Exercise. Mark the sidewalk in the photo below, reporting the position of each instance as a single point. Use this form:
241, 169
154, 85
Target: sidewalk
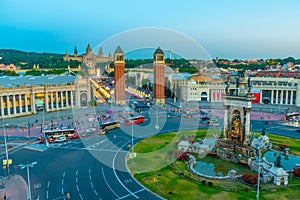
15, 188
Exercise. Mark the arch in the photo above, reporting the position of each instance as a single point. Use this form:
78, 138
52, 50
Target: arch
83, 99
204, 96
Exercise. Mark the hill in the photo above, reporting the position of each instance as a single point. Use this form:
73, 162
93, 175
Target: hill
26, 60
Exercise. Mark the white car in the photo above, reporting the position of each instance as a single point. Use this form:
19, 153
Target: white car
61, 139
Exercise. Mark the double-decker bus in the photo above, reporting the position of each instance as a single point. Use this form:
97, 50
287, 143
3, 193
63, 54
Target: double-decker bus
110, 125
134, 120
60, 132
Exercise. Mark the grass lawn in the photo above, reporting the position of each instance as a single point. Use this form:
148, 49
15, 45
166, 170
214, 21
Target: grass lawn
176, 182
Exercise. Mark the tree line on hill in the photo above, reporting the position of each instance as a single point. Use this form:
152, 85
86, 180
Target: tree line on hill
26, 60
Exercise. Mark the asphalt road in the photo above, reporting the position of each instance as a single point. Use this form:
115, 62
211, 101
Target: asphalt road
94, 167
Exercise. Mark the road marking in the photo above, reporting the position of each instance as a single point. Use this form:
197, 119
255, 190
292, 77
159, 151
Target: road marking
64, 174
92, 185
76, 180
134, 193
87, 148
37, 185
108, 184
77, 172
47, 194
113, 165
80, 196
62, 191
90, 177
77, 188
62, 181
89, 171
96, 192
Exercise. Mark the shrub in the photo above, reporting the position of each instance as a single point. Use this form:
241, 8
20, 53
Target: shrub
210, 183
283, 146
247, 189
203, 182
296, 172
180, 155
250, 178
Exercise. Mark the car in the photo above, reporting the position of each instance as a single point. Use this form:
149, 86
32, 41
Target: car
60, 139
49, 140
75, 136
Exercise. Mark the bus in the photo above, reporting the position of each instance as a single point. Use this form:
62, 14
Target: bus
54, 134
110, 125
134, 120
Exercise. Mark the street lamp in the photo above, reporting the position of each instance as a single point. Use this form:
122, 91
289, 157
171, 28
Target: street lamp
258, 148
132, 145
7, 162
22, 166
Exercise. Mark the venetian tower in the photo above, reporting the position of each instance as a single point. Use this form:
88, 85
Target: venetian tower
119, 70
159, 76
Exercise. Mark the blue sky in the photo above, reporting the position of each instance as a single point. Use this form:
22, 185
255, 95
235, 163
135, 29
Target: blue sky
224, 28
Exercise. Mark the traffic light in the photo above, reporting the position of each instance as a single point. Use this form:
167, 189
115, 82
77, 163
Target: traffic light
68, 196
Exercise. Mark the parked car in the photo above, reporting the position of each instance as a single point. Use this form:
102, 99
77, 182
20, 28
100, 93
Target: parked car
61, 139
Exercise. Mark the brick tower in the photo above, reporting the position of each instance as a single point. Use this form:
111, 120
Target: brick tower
159, 76
119, 65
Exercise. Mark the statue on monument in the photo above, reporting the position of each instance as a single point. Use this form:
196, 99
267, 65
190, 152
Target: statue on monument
235, 131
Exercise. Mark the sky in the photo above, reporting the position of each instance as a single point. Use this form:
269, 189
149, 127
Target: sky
223, 28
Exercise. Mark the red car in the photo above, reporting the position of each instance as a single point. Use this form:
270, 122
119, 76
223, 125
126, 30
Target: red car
75, 136
49, 140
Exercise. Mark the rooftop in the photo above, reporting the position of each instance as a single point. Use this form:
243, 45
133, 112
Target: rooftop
8, 81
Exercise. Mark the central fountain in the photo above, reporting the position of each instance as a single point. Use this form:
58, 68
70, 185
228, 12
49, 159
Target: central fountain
235, 146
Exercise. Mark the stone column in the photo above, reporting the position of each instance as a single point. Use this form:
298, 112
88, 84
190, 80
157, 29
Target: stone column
14, 104
276, 100
281, 97
286, 97
32, 102
247, 126
46, 101
62, 99
67, 98
8, 105
56, 99
292, 96
226, 121
77, 98
272, 96
260, 96
72, 103
26, 103
20, 104
2, 106
51, 100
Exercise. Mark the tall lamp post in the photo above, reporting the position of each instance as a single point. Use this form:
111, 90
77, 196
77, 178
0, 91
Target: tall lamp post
22, 166
7, 161
258, 148
132, 146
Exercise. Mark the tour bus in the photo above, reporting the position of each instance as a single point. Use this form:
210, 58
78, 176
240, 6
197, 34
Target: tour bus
110, 125
57, 133
134, 120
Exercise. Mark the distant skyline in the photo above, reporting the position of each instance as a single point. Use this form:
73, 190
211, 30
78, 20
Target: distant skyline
224, 28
